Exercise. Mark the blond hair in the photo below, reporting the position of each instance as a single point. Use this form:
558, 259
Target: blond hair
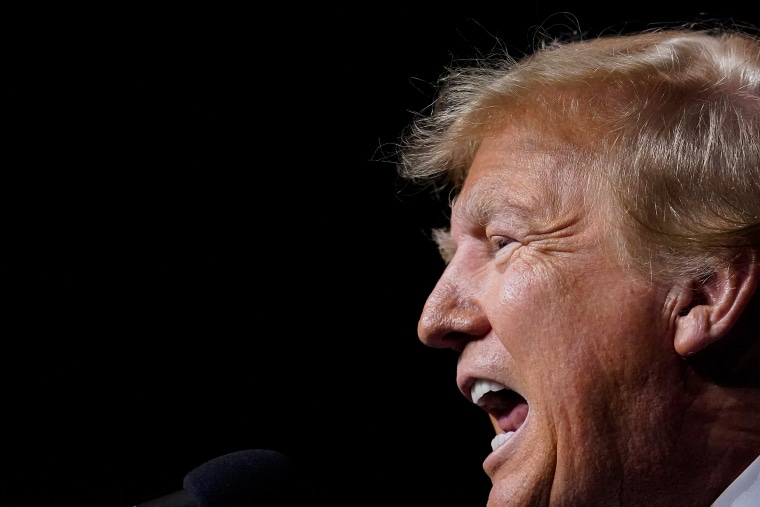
666, 121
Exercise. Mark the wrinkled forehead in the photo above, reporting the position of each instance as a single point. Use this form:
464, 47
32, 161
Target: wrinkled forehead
526, 169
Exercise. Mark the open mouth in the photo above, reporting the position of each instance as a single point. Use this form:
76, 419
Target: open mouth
507, 408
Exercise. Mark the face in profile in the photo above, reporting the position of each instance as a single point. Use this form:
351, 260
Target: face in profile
568, 351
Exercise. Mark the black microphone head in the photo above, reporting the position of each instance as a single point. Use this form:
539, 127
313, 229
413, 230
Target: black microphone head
251, 478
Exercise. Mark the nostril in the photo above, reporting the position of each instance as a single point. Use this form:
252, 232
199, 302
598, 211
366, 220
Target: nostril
457, 341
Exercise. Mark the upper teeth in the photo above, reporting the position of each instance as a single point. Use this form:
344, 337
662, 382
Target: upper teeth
481, 387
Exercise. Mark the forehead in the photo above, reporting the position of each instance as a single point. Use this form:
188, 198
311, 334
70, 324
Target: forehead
523, 173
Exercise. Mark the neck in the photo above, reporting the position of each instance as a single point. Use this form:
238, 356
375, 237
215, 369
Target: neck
720, 437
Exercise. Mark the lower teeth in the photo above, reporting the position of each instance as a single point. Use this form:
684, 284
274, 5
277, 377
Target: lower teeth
500, 439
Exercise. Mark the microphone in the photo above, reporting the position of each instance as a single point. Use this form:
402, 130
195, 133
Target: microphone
250, 478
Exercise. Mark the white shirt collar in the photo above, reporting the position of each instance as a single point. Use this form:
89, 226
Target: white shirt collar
744, 491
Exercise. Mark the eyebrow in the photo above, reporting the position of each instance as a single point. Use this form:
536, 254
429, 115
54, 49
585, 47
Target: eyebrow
481, 205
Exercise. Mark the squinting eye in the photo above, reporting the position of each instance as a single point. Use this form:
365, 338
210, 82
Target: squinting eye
500, 242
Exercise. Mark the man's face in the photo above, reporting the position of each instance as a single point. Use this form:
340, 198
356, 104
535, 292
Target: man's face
537, 301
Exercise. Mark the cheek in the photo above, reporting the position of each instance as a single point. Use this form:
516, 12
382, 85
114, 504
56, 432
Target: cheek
572, 324
535, 310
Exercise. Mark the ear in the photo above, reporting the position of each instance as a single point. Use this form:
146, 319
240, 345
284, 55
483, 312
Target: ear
708, 309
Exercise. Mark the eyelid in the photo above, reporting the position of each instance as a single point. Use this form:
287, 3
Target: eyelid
500, 241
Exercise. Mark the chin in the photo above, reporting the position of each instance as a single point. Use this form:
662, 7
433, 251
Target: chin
514, 494
523, 480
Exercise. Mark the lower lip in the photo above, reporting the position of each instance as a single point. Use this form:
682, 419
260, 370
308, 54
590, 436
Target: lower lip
501, 454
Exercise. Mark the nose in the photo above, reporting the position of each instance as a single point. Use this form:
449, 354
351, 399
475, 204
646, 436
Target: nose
452, 315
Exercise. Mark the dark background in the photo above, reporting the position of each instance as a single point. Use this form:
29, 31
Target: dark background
206, 248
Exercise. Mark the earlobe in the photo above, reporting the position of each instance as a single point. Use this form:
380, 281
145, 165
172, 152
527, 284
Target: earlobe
708, 309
